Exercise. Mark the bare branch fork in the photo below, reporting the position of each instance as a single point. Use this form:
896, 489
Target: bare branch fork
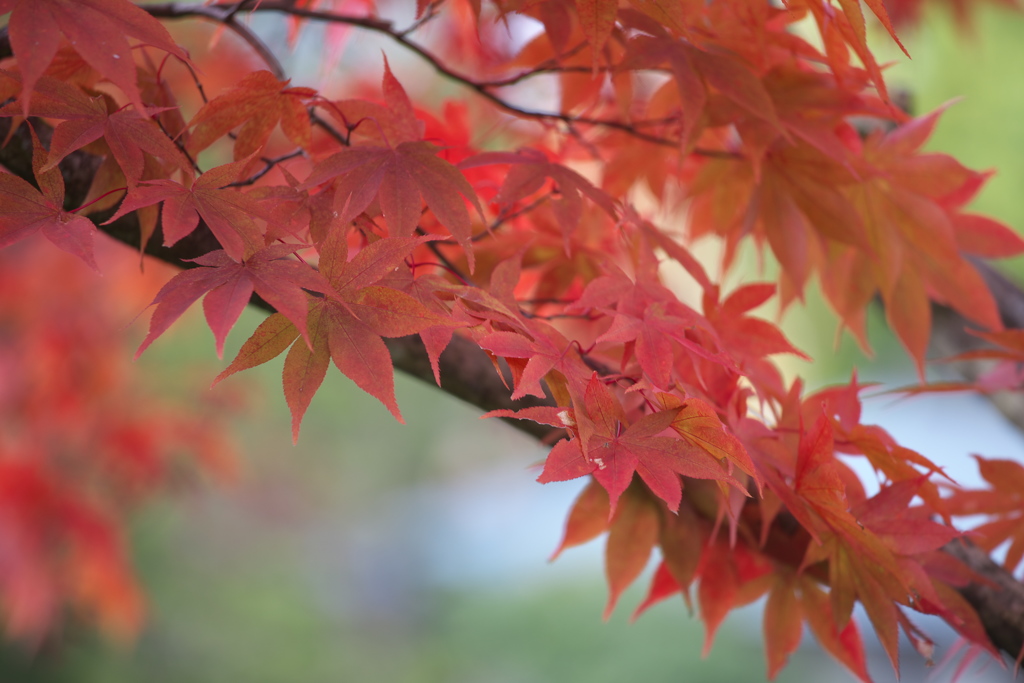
466, 370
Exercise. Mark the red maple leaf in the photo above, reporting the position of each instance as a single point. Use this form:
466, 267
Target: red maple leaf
96, 29
227, 211
548, 350
530, 172
614, 450
346, 327
698, 74
84, 119
401, 176
229, 285
27, 210
390, 123
597, 19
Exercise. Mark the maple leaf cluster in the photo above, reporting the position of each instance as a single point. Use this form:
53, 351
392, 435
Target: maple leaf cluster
358, 219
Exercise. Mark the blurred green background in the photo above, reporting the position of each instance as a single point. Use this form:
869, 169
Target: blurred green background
384, 553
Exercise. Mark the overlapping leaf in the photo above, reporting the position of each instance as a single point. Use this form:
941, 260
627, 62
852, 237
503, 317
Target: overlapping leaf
632, 535
1002, 501
529, 173
346, 327
228, 212
873, 218
85, 119
402, 179
401, 176
612, 451
258, 104
27, 210
98, 31
597, 17
229, 285
549, 350
699, 424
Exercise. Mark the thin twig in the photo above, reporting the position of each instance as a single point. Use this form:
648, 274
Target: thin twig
175, 11
432, 245
328, 128
268, 165
224, 14
549, 66
504, 217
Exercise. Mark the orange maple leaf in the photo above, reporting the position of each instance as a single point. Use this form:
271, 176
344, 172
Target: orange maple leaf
258, 103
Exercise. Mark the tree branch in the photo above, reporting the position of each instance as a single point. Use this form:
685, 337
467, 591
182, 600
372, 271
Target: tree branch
999, 600
950, 337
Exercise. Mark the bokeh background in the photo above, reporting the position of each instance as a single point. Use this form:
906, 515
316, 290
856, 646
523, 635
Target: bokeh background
377, 552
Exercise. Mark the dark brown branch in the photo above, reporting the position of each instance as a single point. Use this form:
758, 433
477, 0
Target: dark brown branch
950, 337
268, 166
999, 603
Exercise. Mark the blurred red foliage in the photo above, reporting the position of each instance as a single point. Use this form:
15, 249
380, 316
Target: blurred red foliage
83, 439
